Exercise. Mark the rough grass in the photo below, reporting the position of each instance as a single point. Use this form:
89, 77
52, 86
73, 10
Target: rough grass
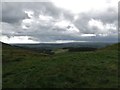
27, 69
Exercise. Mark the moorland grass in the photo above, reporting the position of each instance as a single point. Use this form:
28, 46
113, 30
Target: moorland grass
29, 69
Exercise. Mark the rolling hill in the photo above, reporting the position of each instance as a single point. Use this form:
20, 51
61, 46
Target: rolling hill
24, 68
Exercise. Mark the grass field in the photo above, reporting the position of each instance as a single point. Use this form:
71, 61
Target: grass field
90, 69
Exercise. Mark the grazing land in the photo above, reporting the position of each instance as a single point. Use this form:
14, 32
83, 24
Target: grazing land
64, 68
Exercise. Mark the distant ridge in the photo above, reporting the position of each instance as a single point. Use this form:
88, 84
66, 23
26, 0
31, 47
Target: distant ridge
109, 47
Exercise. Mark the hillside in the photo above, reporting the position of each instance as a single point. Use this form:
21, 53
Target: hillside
14, 53
29, 69
112, 47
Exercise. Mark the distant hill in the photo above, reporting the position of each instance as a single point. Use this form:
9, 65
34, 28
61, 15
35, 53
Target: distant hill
65, 45
109, 47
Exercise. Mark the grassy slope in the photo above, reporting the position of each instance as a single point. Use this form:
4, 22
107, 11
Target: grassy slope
27, 69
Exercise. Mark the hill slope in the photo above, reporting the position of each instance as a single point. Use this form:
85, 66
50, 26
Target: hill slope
112, 47
14, 53
28, 69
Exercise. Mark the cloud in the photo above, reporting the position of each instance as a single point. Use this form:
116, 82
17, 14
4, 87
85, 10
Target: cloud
102, 28
46, 22
11, 12
80, 6
97, 22
17, 39
14, 11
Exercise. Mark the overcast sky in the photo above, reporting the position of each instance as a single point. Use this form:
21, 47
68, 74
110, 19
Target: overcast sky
59, 21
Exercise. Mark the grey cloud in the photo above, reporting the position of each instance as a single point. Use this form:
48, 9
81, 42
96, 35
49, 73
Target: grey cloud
12, 12
119, 17
108, 16
12, 15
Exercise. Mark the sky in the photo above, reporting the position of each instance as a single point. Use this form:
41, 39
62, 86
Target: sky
59, 21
